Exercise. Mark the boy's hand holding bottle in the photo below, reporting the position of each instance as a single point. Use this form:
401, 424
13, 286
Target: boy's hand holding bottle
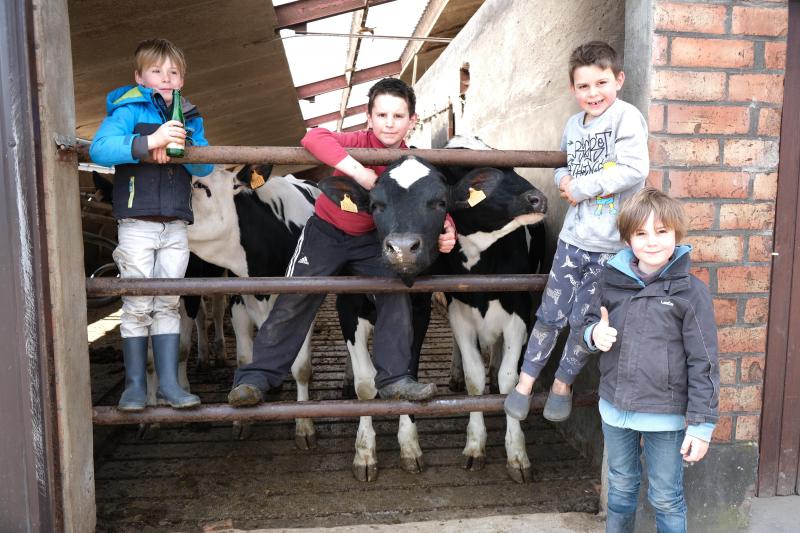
169, 132
603, 335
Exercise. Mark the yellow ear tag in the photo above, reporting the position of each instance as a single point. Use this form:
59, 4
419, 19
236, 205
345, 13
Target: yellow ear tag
348, 205
256, 180
609, 164
476, 196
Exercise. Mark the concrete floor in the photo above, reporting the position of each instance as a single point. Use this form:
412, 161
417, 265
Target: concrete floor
778, 514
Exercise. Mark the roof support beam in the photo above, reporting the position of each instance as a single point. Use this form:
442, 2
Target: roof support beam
335, 115
426, 23
303, 11
340, 82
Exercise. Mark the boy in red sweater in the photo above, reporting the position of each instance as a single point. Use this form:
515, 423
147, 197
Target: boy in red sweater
336, 241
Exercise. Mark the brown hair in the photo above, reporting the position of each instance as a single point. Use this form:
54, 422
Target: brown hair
155, 51
597, 53
395, 87
637, 209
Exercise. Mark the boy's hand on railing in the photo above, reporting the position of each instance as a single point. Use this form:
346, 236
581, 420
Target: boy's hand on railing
169, 132
159, 155
693, 449
603, 335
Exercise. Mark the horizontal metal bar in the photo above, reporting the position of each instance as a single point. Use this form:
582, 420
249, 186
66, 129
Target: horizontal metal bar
105, 416
311, 285
367, 35
282, 155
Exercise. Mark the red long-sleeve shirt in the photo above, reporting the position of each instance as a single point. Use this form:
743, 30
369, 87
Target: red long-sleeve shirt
329, 147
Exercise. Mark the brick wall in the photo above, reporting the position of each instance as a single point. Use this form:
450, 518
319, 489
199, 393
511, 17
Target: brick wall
716, 93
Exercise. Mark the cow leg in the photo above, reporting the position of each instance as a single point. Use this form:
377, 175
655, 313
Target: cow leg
410, 452
475, 378
365, 462
305, 436
218, 316
517, 463
457, 383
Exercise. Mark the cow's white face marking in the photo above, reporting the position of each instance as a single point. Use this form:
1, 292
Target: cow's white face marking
408, 173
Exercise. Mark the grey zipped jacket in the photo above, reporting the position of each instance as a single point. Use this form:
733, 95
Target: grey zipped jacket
665, 356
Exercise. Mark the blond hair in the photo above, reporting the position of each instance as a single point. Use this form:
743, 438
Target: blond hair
155, 52
637, 209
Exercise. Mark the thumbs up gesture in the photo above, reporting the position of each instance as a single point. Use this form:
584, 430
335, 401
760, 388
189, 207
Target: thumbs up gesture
603, 335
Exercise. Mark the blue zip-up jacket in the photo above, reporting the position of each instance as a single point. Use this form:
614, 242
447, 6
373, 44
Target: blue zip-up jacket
665, 357
146, 189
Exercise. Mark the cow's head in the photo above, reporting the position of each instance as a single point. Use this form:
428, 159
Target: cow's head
408, 203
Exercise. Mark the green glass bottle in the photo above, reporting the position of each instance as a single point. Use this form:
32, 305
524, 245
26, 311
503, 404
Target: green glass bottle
176, 149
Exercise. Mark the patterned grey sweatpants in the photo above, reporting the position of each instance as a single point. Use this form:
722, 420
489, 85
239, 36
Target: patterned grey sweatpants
567, 296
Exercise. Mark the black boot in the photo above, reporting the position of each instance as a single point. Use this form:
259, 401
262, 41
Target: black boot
165, 357
134, 353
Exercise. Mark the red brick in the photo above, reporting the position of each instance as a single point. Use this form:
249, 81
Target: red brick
765, 186
760, 21
754, 88
690, 18
737, 399
775, 55
751, 153
747, 340
753, 369
655, 118
708, 119
682, 85
737, 279
723, 432
747, 427
700, 215
656, 179
724, 309
660, 45
727, 371
683, 151
756, 310
703, 274
721, 53
708, 184
769, 121
713, 249
760, 248
747, 216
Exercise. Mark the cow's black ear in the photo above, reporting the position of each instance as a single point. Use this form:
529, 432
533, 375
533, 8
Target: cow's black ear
346, 193
475, 187
254, 176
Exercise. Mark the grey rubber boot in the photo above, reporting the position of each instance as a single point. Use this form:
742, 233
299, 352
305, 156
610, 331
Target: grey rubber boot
558, 406
517, 404
165, 357
134, 354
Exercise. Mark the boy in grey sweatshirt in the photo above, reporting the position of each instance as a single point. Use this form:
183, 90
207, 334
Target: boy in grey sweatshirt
607, 162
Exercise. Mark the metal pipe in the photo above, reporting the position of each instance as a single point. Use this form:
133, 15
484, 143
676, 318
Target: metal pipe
283, 155
108, 415
367, 35
310, 285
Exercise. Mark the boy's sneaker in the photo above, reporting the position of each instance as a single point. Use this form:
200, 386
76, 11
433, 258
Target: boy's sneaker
558, 406
406, 388
245, 395
517, 404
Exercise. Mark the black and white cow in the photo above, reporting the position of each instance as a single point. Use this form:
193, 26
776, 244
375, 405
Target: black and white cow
491, 208
249, 223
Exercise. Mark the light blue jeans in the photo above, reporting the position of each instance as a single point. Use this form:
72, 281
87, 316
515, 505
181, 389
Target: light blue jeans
664, 475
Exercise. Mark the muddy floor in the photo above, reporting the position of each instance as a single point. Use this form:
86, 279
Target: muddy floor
193, 477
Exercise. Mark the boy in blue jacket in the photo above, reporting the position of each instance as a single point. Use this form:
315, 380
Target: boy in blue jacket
659, 373
153, 206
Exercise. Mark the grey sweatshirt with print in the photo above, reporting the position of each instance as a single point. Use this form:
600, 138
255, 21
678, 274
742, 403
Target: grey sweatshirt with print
608, 162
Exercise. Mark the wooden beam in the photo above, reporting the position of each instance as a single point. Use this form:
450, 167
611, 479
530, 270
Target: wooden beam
340, 82
355, 127
335, 115
304, 11
426, 23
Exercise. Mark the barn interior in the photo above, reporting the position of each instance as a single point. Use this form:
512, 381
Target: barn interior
491, 68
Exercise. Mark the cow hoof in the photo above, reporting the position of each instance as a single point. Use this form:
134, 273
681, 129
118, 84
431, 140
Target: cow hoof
475, 463
148, 431
305, 442
412, 465
457, 385
242, 430
520, 475
365, 473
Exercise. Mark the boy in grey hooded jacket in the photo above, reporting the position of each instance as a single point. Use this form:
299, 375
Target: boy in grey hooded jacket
607, 162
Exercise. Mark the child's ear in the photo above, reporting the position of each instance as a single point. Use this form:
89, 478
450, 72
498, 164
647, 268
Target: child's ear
346, 193
475, 187
620, 79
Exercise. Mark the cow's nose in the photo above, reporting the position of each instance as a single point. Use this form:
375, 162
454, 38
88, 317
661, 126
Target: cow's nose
402, 247
538, 202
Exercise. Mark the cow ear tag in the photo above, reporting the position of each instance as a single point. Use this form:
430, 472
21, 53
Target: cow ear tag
348, 205
476, 196
256, 180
